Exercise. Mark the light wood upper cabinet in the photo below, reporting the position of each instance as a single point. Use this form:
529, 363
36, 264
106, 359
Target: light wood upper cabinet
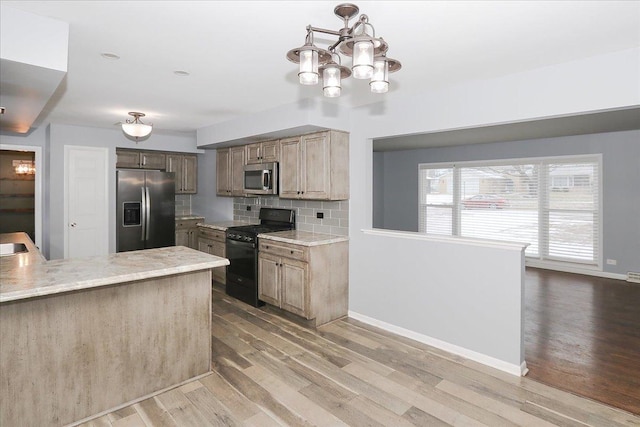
127, 159
290, 172
152, 160
262, 152
190, 173
312, 167
223, 166
141, 159
230, 171
185, 166
315, 166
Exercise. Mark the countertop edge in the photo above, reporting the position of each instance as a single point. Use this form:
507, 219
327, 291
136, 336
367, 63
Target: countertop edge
111, 280
324, 239
189, 217
224, 225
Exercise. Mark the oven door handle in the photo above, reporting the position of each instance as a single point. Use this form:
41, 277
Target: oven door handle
238, 243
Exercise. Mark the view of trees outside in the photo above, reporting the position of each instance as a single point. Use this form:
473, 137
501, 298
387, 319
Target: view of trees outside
513, 202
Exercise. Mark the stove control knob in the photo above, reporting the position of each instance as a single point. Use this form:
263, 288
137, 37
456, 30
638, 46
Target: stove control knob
247, 238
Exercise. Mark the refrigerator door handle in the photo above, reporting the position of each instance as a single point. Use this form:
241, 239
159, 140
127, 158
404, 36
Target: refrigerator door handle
144, 214
147, 211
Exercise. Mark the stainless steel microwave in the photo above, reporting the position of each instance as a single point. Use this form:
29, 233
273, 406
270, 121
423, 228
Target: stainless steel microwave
261, 179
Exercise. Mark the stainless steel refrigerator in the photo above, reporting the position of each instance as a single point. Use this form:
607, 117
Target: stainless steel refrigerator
146, 210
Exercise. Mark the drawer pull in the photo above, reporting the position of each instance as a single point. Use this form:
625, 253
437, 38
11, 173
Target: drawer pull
292, 252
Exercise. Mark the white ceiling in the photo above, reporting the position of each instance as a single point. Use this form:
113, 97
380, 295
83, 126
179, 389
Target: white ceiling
235, 51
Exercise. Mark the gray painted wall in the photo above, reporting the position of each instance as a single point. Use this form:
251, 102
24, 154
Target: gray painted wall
205, 202
397, 206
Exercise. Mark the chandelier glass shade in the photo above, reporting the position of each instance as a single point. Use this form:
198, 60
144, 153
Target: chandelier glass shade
135, 128
332, 75
358, 42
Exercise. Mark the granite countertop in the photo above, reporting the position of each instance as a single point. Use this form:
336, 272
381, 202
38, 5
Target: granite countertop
304, 238
22, 259
223, 225
30, 275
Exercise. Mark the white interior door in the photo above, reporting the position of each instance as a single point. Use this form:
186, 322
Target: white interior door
86, 201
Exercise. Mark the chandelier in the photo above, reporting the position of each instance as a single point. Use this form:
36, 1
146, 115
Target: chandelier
135, 128
368, 53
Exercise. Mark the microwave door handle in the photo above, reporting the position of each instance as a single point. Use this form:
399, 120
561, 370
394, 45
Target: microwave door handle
266, 179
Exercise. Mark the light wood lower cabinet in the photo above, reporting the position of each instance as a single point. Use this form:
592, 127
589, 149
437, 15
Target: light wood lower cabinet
309, 281
213, 242
187, 233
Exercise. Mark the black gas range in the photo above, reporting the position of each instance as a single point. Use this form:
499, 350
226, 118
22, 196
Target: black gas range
242, 252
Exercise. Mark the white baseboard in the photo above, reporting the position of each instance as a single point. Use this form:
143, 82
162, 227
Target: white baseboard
518, 370
577, 270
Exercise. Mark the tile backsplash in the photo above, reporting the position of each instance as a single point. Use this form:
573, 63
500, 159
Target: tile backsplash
335, 214
183, 204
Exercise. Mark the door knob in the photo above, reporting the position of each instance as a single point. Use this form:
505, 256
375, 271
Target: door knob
73, 224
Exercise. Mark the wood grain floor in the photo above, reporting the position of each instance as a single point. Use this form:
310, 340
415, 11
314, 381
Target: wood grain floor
582, 334
269, 371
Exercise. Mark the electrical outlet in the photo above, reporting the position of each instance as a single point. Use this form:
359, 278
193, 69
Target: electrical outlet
248, 208
319, 215
612, 262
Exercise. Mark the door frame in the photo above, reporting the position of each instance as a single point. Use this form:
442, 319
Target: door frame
67, 150
40, 171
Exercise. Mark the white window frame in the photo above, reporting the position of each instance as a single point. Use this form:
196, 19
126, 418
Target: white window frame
543, 257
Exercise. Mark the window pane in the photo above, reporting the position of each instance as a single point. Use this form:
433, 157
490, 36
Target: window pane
437, 186
573, 211
436, 198
571, 235
438, 220
500, 203
573, 186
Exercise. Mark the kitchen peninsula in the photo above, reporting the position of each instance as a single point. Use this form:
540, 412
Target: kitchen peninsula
82, 336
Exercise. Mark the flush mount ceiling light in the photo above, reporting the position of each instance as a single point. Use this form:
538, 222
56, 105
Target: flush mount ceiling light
367, 53
110, 56
135, 128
